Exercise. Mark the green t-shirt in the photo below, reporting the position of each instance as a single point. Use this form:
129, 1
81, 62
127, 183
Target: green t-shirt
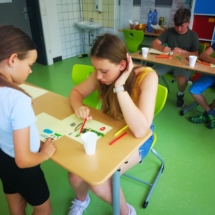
188, 41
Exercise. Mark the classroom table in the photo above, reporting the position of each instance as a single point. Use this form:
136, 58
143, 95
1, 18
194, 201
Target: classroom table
153, 34
105, 163
175, 62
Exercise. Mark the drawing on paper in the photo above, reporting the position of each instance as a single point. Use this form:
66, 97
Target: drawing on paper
49, 126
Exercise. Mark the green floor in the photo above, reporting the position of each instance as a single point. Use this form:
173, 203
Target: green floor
187, 185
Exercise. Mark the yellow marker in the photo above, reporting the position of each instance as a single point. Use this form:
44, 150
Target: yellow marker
122, 129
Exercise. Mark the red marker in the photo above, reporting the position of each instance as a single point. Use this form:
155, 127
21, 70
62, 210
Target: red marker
82, 127
122, 135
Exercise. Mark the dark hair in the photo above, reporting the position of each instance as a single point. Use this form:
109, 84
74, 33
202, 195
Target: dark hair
13, 40
110, 47
182, 16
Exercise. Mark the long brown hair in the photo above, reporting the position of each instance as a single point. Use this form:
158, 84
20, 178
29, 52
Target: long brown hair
13, 40
112, 48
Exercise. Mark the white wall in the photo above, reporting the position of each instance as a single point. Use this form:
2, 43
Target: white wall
48, 10
162, 12
63, 37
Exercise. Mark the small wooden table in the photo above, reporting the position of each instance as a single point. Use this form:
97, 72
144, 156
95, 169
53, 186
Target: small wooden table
145, 32
175, 62
98, 168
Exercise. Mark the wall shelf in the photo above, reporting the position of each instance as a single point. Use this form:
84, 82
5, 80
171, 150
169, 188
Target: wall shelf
204, 21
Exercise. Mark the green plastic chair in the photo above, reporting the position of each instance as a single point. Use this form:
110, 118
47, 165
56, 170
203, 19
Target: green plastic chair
202, 48
133, 39
79, 73
160, 102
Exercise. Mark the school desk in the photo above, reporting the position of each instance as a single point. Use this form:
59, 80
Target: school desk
175, 62
98, 168
153, 34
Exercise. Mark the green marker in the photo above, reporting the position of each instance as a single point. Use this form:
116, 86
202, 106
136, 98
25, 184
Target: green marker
179, 57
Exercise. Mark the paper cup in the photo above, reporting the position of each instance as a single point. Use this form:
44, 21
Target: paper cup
89, 140
192, 60
145, 51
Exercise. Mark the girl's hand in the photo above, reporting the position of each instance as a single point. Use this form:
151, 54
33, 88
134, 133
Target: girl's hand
124, 76
83, 112
48, 147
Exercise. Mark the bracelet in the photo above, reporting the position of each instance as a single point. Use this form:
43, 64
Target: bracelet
45, 153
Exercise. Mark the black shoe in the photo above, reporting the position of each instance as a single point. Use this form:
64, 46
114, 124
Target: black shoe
180, 101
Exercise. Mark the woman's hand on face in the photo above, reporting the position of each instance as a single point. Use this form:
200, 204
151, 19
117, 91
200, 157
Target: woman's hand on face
83, 112
124, 76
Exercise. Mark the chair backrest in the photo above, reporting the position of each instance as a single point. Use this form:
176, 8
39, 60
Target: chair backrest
133, 38
213, 55
81, 72
160, 99
202, 48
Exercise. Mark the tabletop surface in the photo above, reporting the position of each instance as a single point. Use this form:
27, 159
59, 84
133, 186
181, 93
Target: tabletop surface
174, 61
145, 33
94, 169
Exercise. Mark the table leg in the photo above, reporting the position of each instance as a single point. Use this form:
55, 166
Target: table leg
116, 193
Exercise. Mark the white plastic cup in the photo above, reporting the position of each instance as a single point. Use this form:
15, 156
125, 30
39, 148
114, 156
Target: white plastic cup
145, 52
192, 60
89, 140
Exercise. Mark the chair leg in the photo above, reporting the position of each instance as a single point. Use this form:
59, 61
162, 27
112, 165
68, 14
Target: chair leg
183, 111
152, 185
156, 179
165, 83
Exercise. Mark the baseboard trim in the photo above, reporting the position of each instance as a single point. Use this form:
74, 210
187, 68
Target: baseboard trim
56, 59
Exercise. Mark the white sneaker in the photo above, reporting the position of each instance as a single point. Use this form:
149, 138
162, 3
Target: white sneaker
78, 206
131, 210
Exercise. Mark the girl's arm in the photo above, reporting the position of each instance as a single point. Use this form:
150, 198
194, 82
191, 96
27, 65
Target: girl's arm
139, 118
24, 158
81, 91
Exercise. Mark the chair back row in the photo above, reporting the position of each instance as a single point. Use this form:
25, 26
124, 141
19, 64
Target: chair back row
133, 39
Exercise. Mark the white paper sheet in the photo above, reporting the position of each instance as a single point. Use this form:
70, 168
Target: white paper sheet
49, 126
34, 92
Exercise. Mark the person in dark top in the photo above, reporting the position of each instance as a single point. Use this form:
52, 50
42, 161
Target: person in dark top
179, 39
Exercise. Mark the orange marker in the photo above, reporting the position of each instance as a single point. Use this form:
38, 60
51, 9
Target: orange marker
122, 135
204, 63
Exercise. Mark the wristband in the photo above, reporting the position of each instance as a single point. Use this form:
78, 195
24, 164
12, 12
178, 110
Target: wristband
118, 89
